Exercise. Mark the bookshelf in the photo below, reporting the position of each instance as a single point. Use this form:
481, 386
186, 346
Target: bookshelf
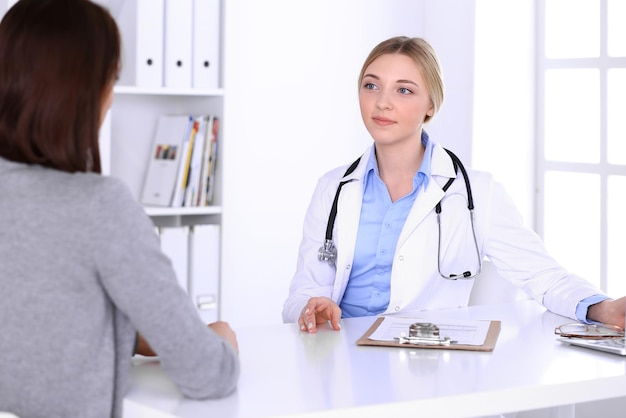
128, 138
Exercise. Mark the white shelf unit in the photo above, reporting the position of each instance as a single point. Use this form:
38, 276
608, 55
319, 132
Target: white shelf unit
127, 142
131, 129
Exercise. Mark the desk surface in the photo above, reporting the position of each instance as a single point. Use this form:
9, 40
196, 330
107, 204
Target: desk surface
286, 373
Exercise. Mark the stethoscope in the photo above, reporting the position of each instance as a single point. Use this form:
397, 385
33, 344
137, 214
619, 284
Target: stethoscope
328, 251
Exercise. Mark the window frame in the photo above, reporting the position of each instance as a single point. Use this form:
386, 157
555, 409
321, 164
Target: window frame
602, 168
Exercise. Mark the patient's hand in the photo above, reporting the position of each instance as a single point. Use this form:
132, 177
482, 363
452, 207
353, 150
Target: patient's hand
224, 330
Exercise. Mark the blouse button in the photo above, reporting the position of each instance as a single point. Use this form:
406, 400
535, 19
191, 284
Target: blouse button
401, 258
397, 308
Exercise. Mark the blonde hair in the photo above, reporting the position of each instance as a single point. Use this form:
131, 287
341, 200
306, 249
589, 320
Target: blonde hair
424, 56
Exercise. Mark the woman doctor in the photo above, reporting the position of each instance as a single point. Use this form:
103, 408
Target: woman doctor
389, 254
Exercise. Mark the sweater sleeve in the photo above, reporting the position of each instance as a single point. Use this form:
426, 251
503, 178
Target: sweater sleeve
141, 283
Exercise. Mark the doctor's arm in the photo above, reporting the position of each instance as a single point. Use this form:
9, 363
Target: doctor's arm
521, 256
312, 283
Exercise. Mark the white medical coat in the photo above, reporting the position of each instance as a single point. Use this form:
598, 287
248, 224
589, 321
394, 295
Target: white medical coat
516, 252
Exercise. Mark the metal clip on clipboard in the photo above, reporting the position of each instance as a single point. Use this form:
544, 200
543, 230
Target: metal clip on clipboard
423, 333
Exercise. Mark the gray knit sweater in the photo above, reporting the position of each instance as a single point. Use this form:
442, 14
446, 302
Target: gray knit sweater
81, 272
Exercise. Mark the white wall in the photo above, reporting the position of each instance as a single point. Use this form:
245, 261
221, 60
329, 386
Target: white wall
291, 113
449, 27
504, 86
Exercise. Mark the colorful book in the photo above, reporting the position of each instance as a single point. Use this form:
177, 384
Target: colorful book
210, 188
195, 163
183, 170
165, 159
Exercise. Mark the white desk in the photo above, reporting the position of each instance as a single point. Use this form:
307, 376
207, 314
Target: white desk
293, 374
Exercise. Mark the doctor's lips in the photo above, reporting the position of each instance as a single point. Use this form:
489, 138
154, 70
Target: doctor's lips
381, 121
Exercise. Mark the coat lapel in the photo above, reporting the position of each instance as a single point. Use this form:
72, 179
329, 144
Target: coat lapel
348, 216
441, 169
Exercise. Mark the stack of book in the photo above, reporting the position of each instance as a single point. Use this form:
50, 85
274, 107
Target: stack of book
182, 166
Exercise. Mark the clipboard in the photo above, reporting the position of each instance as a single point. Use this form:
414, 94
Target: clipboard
488, 345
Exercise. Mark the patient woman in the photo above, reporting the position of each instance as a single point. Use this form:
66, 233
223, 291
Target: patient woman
81, 270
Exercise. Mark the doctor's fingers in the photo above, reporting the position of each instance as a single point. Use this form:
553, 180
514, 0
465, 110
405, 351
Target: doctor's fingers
311, 317
307, 321
334, 317
329, 313
312, 312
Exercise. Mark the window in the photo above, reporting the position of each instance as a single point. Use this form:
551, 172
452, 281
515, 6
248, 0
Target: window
581, 137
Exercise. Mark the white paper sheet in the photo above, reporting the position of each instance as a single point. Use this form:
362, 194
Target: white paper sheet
467, 332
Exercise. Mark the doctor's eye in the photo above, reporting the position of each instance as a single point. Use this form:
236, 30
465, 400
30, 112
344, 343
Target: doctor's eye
369, 86
404, 90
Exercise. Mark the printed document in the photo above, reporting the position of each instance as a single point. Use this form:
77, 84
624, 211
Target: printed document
467, 332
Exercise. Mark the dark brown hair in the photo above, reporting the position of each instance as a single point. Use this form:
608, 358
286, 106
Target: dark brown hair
58, 58
423, 54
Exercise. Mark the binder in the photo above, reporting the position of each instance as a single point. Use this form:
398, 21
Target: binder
141, 25
178, 43
206, 44
204, 262
165, 158
175, 244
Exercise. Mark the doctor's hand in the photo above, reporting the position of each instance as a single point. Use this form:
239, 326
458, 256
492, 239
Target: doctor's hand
319, 310
609, 312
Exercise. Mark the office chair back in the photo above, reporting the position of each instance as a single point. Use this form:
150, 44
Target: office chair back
491, 288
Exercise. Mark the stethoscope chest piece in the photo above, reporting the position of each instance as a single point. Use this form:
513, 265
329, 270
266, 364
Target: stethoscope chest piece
327, 252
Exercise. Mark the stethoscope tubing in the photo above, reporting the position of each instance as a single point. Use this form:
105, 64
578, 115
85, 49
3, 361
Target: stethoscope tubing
328, 252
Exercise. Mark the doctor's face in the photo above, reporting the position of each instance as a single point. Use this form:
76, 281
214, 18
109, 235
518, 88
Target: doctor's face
393, 99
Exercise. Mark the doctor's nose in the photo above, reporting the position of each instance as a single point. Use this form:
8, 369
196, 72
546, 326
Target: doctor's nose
383, 101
